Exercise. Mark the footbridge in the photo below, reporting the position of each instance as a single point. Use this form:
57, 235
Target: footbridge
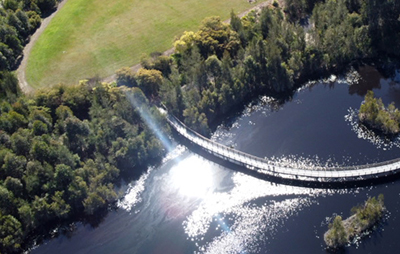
276, 170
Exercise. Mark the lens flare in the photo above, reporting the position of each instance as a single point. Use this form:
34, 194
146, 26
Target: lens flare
192, 177
150, 121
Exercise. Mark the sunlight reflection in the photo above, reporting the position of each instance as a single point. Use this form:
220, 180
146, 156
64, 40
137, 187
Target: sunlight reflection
133, 194
241, 225
193, 177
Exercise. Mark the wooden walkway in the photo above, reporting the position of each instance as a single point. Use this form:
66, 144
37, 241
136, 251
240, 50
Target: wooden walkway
260, 165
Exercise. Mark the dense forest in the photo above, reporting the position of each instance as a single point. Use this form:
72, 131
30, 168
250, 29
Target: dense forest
18, 20
270, 52
63, 149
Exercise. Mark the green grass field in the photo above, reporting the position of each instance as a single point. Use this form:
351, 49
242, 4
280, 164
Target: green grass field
89, 38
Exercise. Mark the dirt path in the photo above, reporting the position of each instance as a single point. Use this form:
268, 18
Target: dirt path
26, 88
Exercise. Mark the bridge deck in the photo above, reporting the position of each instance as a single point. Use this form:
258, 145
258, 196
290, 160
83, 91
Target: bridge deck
261, 165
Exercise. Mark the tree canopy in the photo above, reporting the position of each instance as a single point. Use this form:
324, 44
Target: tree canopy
61, 152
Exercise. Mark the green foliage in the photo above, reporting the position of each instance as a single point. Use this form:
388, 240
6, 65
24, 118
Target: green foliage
299, 9
18, 20
126, 77
220, 66
149, 81
215, 37
363, 217
157, 61
370, 212
336, 33
374, 114
62, 149
337, 235
346, 30
11, 234
92, 203
9, 88
383, 26
46, 6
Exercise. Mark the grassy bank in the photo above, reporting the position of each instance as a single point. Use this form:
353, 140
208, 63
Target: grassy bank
96, 37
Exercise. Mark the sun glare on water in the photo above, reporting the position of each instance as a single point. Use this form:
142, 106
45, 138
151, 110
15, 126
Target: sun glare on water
192, 177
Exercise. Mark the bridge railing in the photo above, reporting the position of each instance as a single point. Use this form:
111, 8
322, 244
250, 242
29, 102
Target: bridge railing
251, 160
213, 143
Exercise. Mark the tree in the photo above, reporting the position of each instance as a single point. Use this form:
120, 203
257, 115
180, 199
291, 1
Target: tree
14, 185
149, 81
214, 68
39, 128
186, 42
34, 20
10, 4
337, 235
6, 200
9, 88
11, 234
40, 150
126, 77
58, 205
77, 131
46, 6
13, 166
37, 175
77, 192
12, 121
157, 61
20, 21
21, 142
214, 37
41, 210
93, 203
63, 175
26, 216
197, 121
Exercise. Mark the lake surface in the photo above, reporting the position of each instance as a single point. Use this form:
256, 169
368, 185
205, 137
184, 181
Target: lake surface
191, 205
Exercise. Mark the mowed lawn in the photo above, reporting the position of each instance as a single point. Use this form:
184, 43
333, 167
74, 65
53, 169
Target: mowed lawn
89, 38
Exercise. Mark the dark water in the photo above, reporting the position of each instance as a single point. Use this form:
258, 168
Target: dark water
190, 205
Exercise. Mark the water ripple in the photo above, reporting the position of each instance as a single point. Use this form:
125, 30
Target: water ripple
243, 217
133, 194
135, 189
